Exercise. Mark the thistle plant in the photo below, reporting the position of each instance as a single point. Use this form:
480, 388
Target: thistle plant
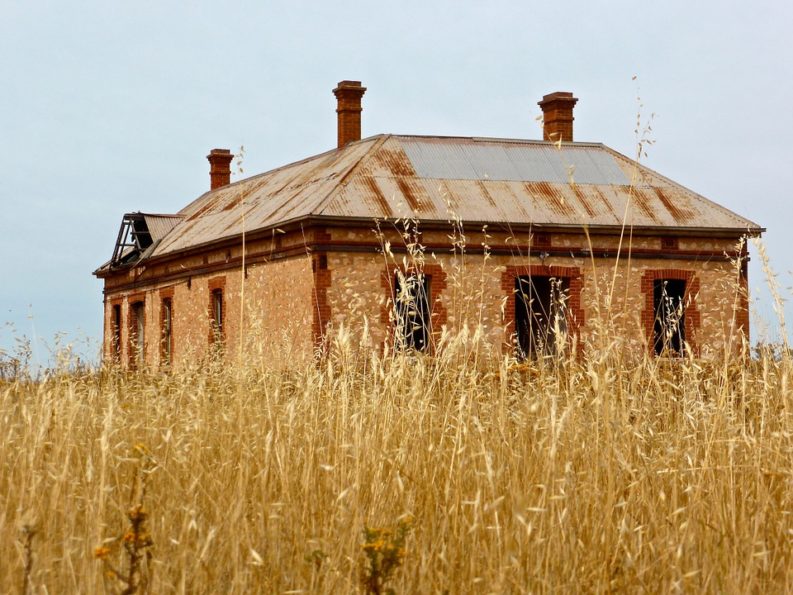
136, 540
385, 551
29, 531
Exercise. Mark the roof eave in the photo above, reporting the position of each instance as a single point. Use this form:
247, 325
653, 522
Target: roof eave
708, 232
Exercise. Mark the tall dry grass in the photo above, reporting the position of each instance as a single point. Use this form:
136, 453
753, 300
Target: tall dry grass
590, 474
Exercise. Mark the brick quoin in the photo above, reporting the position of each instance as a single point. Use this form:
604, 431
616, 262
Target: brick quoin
436, 277
693, 317
742, 315
575, 311
321, 307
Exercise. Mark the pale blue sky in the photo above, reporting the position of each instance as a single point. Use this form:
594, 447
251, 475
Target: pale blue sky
111, 107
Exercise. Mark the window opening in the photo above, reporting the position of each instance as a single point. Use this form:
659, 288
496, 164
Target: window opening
217, 315
412, 311
167, 330
670, 316
116, 337
540, 314
138, 337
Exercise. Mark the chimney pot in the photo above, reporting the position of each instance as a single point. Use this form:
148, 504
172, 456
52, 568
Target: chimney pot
219, 167
557, 116
348, 107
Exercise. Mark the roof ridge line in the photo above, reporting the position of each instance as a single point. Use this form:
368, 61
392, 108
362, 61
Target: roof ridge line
322, 204
531, 141
270, 171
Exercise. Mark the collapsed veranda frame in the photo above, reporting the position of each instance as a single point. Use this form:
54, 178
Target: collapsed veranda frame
133, 238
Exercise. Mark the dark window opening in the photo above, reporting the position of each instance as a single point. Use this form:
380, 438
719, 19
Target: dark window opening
669, 329
540, 315
217, 315
116, 336
137, 334
412, 311
167, 330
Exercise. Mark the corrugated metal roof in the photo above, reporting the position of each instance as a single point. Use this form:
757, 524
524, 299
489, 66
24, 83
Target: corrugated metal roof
160, 225
513, 162
483, 180
287, 193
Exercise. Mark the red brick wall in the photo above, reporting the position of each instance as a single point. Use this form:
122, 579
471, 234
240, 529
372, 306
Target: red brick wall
298, 283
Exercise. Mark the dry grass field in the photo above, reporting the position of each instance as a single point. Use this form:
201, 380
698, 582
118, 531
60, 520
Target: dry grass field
453, 474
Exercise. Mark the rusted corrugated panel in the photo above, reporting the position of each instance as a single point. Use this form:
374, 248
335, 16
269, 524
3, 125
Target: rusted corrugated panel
520, 182
160, 225
289, 192
435, 178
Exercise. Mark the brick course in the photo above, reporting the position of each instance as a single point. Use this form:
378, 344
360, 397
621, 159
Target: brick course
323, 277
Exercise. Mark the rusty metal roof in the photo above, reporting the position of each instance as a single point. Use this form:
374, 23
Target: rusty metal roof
160, 225
437, 178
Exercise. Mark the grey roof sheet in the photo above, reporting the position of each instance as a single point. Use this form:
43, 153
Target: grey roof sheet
160, 225
435, 178
484, 159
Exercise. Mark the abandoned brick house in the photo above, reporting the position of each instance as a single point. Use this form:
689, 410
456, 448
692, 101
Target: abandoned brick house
563, 224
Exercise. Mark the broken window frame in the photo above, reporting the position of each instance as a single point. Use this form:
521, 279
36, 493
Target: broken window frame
166, 331
137, 334
669, 316
217, 312
541, 332
115, 337
412, 315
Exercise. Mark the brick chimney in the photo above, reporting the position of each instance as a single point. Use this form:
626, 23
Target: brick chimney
557, 116
348, 107
219, 167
